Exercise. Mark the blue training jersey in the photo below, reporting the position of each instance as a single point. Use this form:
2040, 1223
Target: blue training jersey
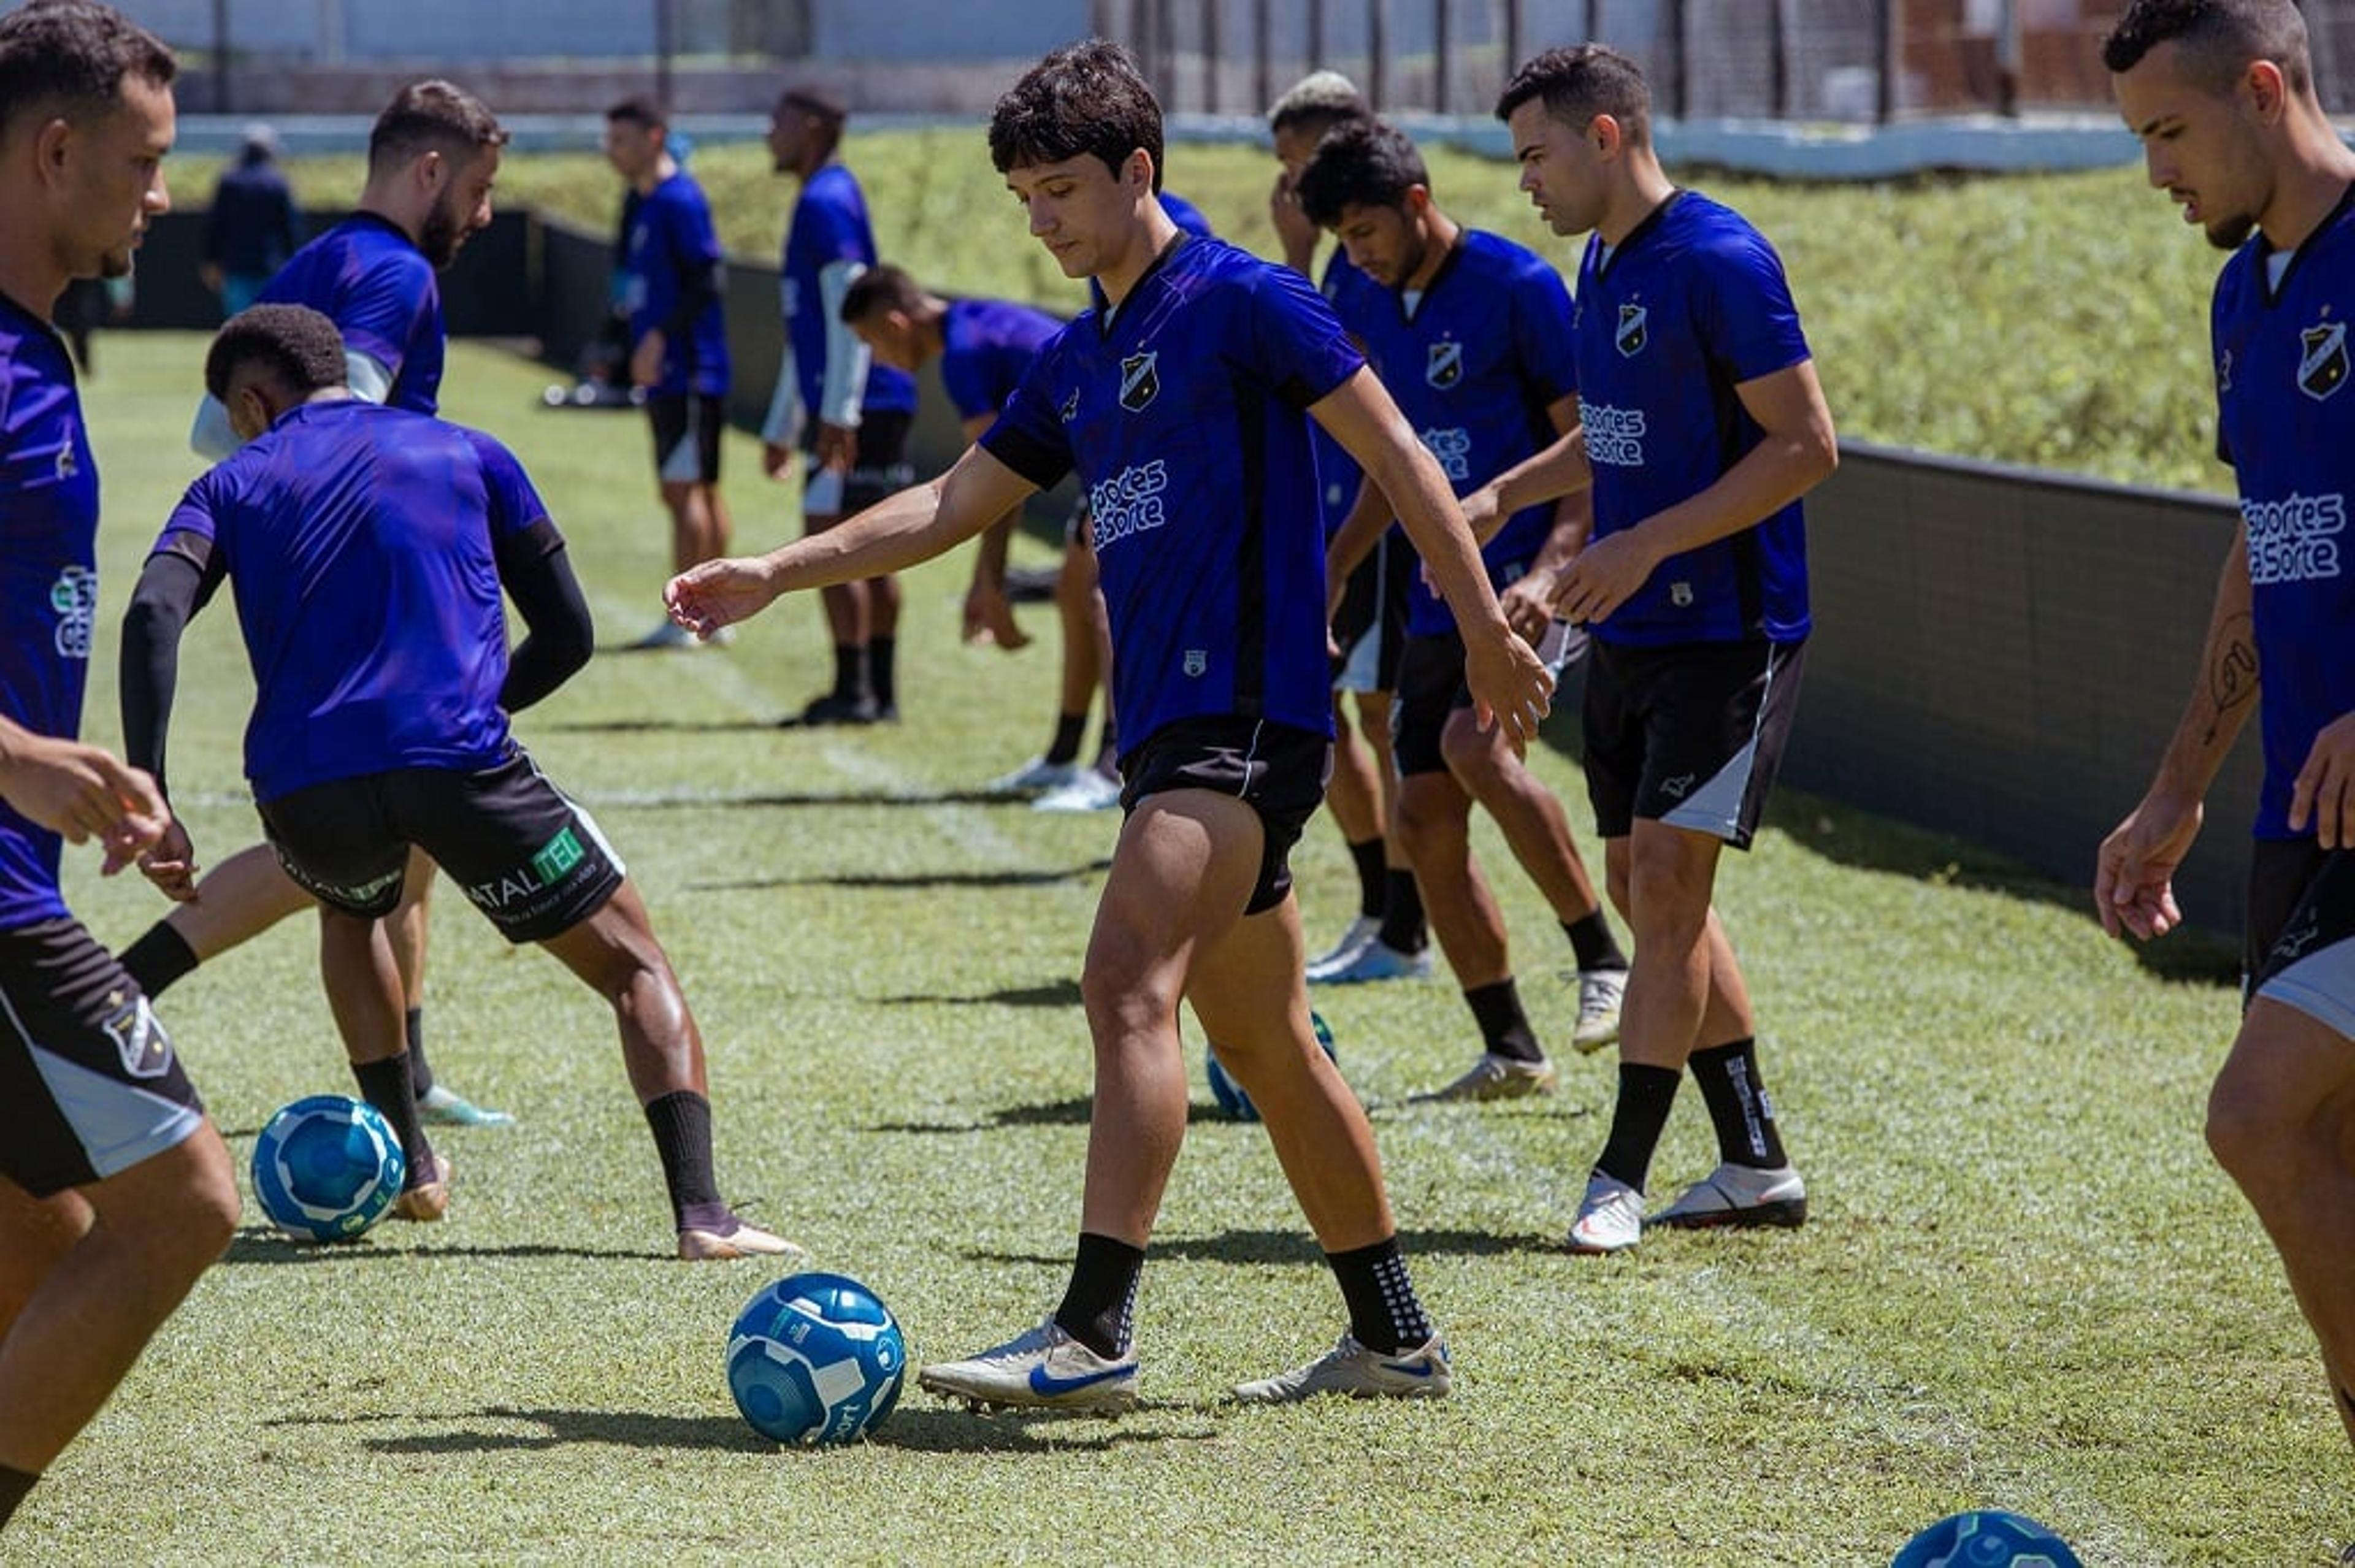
672, 250
1474, 366
1184, 415
1338, 474
369, 278
357, 540
2287, 423
49, 581
987, 347
829, 225
1690, 305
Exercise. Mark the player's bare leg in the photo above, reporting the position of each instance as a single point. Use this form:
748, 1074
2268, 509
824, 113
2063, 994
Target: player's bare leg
849, 625
35, 1233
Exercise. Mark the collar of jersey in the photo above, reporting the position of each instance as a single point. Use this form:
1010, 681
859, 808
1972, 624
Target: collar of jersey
2270, 292
1107, 318
1649, 221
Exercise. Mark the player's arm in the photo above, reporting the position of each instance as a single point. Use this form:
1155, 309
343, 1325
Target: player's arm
558, 634
1528, 601
81, 791
178, 580
781, 431
1559, 470
842, 391
987, 612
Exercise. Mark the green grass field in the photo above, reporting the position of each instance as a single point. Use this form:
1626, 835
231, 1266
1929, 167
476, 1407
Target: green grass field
2024, 1285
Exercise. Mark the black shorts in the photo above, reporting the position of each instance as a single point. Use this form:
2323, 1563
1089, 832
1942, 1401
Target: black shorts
687, 435
1278, 771
1691, 734
1430, 691
90, 1084
529, 859
1370, 625
883, 469
2301, 933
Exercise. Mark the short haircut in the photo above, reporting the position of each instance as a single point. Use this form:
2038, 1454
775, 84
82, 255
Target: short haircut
1580, 82
880, 287
815, 102
1085, 98
639, 111
294, 344
2219, 39
433, 116
1317, 102
1364, 164
69, 57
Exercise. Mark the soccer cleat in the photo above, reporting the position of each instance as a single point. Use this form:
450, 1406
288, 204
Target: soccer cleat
1361, 933
1350, 1368
1377, 960
428, 1201
442, 1106
1495, 1077
1034, 777
836, 709
1600, 993
696, 1245
1045, 1369
669, 635
1610, 1217
1091, 791
1738, 1196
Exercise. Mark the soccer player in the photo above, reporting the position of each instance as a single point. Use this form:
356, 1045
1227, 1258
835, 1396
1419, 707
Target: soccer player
1702, 425
1471, 336
1180, 404
678, 336
366, 547
249, 228
434, 157
115, 1188
849, 416
2221, 95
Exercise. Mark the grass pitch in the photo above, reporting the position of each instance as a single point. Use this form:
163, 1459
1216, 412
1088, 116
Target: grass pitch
2024, 1284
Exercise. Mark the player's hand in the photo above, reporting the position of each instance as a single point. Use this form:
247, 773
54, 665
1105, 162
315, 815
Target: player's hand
2134, 877
1605, 575
1294, 231
83, 793
776, 459
1510, 686
1528, 603
2322, 797
646, 360
720, 593
837, 448
990, 617
171, 864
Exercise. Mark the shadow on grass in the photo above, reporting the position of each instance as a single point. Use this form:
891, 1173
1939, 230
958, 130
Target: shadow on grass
258, 1244
660, 726
930, 1429
569, 1428
1072, 1112
1002, 878
783, 800
1053, 994
1254, 1248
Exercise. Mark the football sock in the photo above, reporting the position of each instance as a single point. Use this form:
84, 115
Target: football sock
1373, 878
1100, 1305
849, 672
1645, 1095
1746, 1134
158, 958
882, 670
1504, 1028
1384, 1313
1403, 930
681, 1122
14, 1485
385, 1085
1590, 939
1067, 728
420, 1072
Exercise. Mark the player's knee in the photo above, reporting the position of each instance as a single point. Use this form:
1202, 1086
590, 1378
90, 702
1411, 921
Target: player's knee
1430, 819
1661, 896
2254, 1135
1122, 1005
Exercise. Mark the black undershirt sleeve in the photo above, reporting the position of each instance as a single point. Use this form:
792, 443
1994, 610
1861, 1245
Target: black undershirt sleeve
174, 585
558, 634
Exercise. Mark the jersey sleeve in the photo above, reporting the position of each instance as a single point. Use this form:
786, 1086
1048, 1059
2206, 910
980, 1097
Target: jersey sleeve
193, 530
965, 374
515, 506
1746, 317
1298, 343
387, 309
1541, 330
1028, 436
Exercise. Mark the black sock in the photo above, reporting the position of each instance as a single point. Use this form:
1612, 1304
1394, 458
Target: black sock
1373, 879
1736, 1096
420, 1072
1100, 1305
1384, 1313
1068, 727
14, 1485
385, 1085
1590, 939
681, 1121
1645, 1095
882, 670
849, 672
1403, 930
158, 958
1504, 1028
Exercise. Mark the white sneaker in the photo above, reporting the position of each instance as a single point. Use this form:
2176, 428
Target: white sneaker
1610, 1217
1354, 941
1600, 994
669, 635
442, 1106
1044, 1369
695, 1246
1495, 1077
1377, 960
1351, 1369
1090, 791
1742, 1196
1034, 777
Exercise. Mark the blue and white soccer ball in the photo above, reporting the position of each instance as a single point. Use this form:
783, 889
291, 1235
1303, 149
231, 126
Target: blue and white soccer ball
1986, 1537
326, 1168
1229, 1094
816, 1358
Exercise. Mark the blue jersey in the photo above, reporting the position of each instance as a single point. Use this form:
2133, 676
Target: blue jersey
1183, 415
1336, 471
1186, 216
358, 542
49, 581
369, 278
829, 225
2287, 423
1690, 305
673, 257
987, 347
1474, 366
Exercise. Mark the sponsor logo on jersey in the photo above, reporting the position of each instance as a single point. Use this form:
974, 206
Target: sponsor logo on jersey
1130, 502
1071, 408
1453, 448
1443, 366
74, 596
68, 464
1140, 380
2224, 371
2294, 539
2322, 365
1614, 437
1631, 336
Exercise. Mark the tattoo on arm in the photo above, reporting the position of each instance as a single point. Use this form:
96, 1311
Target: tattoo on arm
2233, 676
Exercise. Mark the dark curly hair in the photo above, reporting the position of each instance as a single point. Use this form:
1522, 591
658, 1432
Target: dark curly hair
295, 343
1580, 82
431, 117
1364, 164
69, 57
1085, 98
2219, 38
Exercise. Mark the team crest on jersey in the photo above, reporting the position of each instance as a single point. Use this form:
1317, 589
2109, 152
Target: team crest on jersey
1632, 334
2322, 367
1445, 367
144, 1049
1197, 661
1140, 380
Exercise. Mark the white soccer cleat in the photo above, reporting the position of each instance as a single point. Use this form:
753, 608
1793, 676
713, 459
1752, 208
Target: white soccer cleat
1036, 776
1738, 1196
1377, 960
442, 1106
1600, 994
1495, 1077
1090, 791
1354, 941
1351, 1369
1045, 1369
1610, 1217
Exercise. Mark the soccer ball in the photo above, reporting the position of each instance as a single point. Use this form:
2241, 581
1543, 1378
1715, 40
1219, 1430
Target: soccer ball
1986, 1537
326, 1168
816, 1358
1229, 1094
